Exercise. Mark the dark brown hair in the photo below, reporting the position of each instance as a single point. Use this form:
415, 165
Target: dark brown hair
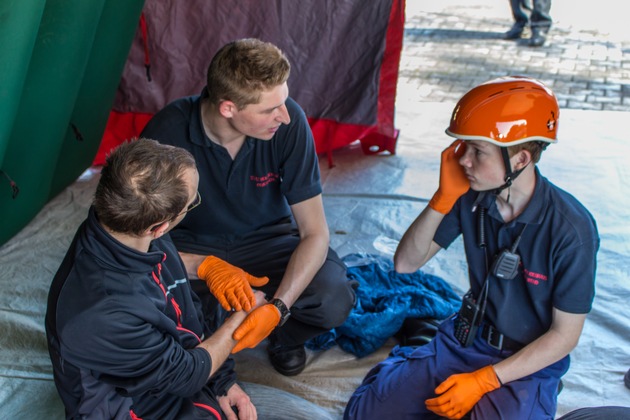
535, 149
142, 184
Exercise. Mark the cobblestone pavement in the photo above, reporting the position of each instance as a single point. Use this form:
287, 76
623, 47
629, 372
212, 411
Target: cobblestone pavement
451, 46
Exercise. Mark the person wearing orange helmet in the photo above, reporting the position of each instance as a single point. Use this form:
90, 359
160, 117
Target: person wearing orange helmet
531, 252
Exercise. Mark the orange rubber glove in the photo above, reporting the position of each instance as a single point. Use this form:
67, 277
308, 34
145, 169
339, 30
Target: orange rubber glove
461, 392
453, 181
256, 327
229, 284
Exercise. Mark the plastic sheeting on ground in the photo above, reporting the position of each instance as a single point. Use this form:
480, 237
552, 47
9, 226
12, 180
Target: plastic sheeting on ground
369, 202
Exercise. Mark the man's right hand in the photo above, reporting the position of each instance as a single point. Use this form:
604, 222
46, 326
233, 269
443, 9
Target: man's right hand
453, 181
229, 284
236, 397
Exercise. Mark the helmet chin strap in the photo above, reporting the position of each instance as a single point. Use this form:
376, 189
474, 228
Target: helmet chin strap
510, 175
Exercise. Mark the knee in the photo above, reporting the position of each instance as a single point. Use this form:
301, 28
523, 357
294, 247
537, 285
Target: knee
355, 408
351, 409
363, 404
337, 296
329, 299
337, 302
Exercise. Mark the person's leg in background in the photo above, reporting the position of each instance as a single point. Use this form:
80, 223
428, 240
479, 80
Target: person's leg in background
540, 22
521, 19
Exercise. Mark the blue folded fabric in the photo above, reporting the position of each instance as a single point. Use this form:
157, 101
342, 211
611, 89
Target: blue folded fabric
384, 299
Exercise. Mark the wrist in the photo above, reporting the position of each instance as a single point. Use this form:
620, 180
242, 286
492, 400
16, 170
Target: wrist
206, 266
441, 203
497, 375
237, 316
491, 379
283, 310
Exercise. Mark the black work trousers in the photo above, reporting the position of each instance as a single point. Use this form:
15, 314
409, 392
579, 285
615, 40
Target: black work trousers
324, 304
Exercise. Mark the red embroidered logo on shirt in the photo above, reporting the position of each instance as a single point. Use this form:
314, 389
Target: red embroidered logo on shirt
534, 278
263, 181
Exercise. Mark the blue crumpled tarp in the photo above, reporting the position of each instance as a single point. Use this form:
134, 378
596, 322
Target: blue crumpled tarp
384, 299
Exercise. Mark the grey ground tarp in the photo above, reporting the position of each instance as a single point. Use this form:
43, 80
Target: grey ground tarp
369, 202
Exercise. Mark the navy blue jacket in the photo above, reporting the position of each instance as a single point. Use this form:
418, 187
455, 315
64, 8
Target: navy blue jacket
122, 329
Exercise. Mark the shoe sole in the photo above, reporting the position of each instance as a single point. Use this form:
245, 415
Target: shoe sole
292, 372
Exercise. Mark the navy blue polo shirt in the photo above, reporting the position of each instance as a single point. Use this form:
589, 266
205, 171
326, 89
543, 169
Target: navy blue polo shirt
558, 258
250, 192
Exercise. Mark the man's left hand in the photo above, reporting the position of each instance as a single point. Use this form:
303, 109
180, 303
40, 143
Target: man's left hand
460, 393
237, 398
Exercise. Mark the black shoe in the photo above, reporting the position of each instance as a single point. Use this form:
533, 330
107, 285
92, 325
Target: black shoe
626, 379
514, 33
537, 39
288, 360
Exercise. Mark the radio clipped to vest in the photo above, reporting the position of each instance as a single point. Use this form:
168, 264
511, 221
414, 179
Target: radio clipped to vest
505, 264
470, 316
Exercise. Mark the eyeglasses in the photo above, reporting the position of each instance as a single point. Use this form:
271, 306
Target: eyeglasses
192, 205
189, 208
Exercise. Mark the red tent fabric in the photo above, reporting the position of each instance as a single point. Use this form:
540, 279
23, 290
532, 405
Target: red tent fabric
344, 58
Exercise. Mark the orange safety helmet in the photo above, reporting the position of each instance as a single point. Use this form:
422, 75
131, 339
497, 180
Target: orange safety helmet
507, 111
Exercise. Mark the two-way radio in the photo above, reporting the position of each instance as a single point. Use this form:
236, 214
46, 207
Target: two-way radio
504, 266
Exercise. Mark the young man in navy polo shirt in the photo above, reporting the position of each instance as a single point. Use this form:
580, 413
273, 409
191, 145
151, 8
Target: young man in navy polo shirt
262, 211
531, 251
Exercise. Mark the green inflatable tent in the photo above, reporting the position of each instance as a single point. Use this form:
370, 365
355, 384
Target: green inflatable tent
60, 65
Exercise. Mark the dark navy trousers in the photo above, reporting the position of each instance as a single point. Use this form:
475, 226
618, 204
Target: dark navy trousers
398, 387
